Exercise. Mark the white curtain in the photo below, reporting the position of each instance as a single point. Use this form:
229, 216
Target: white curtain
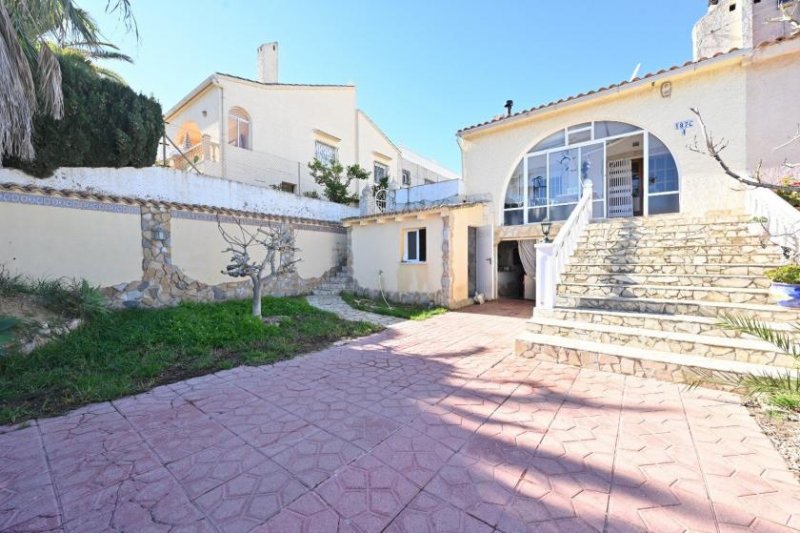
527, 254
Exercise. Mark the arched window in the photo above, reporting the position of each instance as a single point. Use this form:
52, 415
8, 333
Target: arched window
614, 156
239, 128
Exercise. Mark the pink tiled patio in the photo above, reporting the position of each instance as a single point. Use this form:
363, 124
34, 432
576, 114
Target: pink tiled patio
431, 426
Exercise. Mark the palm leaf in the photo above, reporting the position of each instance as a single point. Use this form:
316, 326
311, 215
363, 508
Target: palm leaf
785, 342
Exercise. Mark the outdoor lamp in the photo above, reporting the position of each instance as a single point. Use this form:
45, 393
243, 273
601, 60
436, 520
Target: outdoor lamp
546, 225
159, 234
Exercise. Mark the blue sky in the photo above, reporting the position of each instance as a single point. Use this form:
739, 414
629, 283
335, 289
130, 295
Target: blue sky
423, 69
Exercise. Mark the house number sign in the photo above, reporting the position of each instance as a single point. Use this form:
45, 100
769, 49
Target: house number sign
684, 125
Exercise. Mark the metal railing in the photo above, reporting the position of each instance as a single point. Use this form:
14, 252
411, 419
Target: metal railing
551, 258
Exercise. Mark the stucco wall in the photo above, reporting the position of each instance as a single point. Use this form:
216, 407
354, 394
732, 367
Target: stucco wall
374, 146
491, 155
773, 113
40, 240
197, 249
183, 187
379, 248
462, 219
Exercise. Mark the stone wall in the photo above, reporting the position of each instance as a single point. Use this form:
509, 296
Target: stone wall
165, 284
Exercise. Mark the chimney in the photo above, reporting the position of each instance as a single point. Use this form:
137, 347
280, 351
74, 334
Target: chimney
509, 105
268, 63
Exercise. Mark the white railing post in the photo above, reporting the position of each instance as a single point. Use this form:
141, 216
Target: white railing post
551, 258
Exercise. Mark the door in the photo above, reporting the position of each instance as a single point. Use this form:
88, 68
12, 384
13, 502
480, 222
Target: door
620, 188
484, 259
472, 273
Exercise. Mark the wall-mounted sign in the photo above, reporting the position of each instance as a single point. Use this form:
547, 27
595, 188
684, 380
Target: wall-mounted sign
684, 125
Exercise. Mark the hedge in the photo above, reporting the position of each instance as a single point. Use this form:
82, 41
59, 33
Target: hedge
105, 124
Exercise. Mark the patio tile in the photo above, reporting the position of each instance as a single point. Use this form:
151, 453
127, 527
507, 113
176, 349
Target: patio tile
175, 443
416, 456
428, 514
251, 498
308, 514
365, 429
317, 457
202, 471
368, 494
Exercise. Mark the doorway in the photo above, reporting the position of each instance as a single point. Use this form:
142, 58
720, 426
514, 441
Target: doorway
512, 280
625, 177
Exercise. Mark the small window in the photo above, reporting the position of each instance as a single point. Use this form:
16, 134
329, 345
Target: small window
379, 171
407, 177
415, 246
287, 187
325, 152
239, 129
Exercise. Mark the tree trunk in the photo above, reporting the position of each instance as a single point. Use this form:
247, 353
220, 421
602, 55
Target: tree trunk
256, 296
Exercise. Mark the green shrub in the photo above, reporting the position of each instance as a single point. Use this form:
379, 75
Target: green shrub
71, 298
105, 124
7, 323
785, 274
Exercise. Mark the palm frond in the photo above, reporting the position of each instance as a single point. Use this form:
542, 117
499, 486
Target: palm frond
49, 78
787, 381
785, 342
17, 92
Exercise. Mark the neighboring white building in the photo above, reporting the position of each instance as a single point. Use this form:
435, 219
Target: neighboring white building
263, 132
419, 170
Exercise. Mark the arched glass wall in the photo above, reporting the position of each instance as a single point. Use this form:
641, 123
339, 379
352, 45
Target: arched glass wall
615, 156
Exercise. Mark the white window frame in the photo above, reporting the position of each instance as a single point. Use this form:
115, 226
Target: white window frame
416, 261
319, 146
383, 166
233, 114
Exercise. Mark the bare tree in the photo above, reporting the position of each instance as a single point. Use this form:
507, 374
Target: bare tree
278, 243
714, 148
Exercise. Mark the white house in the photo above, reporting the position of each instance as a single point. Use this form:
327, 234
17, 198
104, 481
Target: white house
264, 132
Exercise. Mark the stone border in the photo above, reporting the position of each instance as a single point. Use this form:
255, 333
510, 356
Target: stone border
68, 203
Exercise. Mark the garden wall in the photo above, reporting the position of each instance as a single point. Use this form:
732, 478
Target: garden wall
150, 251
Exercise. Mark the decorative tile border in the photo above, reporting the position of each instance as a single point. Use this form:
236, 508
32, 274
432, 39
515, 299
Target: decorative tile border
249, 221
68, 203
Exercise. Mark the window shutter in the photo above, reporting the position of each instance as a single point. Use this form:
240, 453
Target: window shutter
423, 253
411, 246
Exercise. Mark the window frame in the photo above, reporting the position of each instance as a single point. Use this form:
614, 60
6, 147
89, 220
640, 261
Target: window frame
406, 177
239, 116
317, 152
421, 248
383, 166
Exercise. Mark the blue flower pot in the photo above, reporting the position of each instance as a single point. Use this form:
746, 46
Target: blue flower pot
786, 294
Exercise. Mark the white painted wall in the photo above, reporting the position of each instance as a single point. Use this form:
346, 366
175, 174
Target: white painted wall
374, 146
431, 192
719, 91
182, 187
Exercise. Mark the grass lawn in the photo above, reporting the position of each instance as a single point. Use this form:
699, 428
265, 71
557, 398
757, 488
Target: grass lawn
411, 312
131, 351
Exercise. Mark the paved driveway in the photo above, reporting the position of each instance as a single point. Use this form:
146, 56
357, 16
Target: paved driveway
431, 426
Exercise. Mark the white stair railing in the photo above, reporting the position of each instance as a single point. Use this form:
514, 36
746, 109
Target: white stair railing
779, 218
551, 258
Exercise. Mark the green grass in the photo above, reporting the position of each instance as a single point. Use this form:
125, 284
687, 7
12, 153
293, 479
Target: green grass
127, 352
410, 312
786, 400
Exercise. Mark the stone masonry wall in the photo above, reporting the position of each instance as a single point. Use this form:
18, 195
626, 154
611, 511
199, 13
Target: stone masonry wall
165, 284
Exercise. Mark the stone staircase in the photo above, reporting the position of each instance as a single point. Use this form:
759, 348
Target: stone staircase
333, 285
644, 296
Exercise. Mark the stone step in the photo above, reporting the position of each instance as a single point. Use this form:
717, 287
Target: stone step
671, 306
632, 361
625, 247
687, 280
672, 221
670, 323
662, 238
675, 292
715, 269
679, 258
743, 349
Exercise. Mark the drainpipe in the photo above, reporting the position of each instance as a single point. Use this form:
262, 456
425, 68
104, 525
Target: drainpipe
222, 140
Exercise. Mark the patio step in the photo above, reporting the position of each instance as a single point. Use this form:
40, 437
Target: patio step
746, 350
335, 284
673, 306
695, 325
576, 276
680, 292
681, 254
711, 269
634, 361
